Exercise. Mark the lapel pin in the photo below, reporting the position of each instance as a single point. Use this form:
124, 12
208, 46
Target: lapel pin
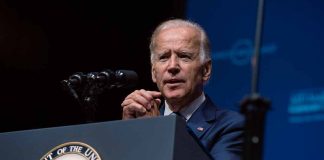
200, 129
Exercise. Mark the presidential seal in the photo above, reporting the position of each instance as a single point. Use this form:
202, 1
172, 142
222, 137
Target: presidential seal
72, 151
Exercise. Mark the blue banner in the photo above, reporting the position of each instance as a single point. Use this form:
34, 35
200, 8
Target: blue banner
291, 63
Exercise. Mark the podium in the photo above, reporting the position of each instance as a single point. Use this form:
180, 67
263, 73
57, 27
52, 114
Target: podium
158, 138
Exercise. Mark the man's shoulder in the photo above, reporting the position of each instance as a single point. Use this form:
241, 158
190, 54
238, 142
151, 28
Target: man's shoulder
224, 115
229, 116
227, 122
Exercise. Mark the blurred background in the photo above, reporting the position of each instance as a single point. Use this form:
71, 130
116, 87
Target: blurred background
44, 42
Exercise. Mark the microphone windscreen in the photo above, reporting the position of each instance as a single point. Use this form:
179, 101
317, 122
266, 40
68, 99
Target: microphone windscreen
126, 78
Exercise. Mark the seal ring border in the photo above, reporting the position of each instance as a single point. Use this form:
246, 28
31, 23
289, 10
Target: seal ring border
69, 143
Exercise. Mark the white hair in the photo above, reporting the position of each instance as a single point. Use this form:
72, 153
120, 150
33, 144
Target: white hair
204, 41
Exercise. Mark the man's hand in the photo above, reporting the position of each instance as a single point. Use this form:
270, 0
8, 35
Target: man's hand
141, 103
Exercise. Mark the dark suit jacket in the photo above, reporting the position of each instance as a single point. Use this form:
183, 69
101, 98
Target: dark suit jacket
219, 131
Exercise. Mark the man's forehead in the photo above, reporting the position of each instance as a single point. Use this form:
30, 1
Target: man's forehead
179, 29
178, 35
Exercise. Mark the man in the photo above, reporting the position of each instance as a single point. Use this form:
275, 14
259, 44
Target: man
181, 65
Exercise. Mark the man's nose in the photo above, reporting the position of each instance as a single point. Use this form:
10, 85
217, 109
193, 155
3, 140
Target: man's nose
173, 66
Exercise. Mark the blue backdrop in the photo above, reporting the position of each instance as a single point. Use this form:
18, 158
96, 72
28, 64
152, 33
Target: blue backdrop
291, 64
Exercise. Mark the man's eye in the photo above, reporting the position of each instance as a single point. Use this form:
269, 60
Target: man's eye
185, 56
163, 58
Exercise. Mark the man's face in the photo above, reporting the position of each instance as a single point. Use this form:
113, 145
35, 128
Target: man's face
176, 67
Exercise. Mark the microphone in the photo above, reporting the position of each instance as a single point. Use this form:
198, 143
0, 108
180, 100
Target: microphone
85, 87
126, 78
76, 79
118, 79
106, 78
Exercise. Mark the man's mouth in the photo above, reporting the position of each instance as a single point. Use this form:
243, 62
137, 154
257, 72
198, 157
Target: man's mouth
173, 81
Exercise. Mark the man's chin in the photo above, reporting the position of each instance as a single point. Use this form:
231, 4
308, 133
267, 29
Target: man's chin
173, 96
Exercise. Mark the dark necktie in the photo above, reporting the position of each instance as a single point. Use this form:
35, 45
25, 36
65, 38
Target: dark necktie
179, 114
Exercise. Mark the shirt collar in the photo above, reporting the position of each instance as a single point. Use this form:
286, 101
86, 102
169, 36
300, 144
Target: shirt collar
188, 110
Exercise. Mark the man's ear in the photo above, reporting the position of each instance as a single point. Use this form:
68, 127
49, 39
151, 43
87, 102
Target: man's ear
207, 68
153, 73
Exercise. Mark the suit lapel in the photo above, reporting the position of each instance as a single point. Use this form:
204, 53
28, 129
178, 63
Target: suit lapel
202, 118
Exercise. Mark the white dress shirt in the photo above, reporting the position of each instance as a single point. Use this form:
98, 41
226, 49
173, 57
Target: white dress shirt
187, 111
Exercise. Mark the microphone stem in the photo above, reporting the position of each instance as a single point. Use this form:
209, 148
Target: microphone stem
256, 57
